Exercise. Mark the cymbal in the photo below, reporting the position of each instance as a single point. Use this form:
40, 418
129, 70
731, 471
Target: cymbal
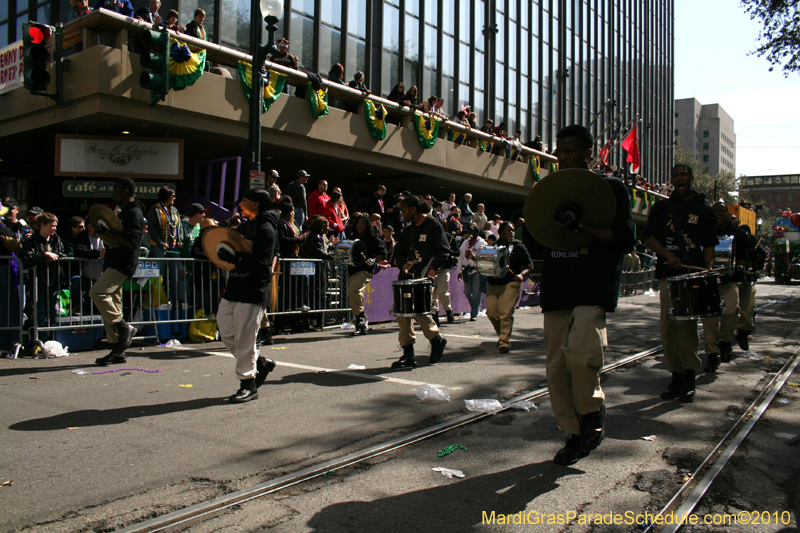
112, 239
578, 185
101, 216
216, 238
11, 244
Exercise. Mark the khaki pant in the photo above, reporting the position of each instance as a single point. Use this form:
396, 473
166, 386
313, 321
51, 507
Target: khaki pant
407, 335
747, 307
355, 290
722, 328
679, 337
575, 340
501, 300
441, 290
106, 293
238, 329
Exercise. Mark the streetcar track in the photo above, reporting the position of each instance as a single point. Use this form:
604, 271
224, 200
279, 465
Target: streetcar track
204, 509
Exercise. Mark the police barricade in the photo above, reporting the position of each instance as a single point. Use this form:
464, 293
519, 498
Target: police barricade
633, 282
12, 293
310, 289
162, 299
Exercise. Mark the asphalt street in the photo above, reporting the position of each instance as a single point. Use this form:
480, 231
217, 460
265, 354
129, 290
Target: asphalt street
95, 452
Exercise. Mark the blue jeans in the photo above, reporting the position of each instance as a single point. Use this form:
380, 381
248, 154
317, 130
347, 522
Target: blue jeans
472, 290
299, 217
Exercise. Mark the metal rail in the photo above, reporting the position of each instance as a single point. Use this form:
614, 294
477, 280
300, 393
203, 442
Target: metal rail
262, 489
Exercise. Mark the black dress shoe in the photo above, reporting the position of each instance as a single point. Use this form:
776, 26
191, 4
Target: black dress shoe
110, 359
247, 392
674, 389
687, 386
125, 332
437, 348
360, 331
263, 367
713, 363
504, 349
571, 453
265, 337
725, 351
435, 317
593, 429
450, 317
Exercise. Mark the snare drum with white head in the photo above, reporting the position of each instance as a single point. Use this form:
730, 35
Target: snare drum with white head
412, 297
492, 261
350, 253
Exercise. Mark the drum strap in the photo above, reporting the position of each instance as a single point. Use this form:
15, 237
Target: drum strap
676, 224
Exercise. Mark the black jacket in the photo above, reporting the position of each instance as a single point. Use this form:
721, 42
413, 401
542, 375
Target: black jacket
314, 248
518, 261
425, 244
83, 247
698, 225
286, 241
249, 281
297, 192
590, 276
374, 247
32, 255
122, 258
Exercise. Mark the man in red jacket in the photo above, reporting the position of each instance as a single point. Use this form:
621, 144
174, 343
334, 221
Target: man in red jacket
334, 215
318, 199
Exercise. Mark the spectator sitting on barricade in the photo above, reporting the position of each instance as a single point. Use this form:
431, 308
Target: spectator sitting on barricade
76, 227
87, 246
41, 253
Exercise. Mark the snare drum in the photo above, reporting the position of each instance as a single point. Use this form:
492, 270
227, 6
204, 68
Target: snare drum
412, 297
350, 253
694, 296
492, 261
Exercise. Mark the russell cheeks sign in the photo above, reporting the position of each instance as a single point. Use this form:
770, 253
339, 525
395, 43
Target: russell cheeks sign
152, 158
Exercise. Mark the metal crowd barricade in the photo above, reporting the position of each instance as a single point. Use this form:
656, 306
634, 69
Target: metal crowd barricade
311, 286
12, 296
635, 282
161, 300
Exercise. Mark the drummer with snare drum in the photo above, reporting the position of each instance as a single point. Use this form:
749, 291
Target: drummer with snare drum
502, 293
360, 274
681, 230
719, 332
420, 251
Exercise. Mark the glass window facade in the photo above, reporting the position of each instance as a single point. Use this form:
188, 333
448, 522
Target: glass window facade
538, 65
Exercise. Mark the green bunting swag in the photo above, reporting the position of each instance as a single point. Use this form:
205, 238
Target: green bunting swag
514, 151
273, 85
486, 146
318, 101
535, 166
375, 116
456, 137
554, 167
185, 68
427, 129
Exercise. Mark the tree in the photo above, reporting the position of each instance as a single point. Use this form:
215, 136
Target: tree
779, 40
723, 183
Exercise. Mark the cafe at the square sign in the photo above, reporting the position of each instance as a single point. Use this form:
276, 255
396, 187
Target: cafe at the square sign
94, 156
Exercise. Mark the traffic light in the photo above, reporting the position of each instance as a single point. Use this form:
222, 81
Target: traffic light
155, 58
37, 52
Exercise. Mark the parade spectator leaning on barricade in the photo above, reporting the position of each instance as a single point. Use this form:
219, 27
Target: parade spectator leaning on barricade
165, 231
172, 22
78, 8
88, 246
396, 95
76, 227
41, 253
412, 96
316, 247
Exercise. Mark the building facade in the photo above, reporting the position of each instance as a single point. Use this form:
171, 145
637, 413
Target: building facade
537, 65
773, 191
708, 131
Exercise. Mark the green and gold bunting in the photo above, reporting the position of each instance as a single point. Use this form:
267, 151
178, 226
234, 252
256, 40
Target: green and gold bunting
486, 146
427, 129
375, 116
456, 137
535, 166
514, 151
318, 100
273, 84
185, 67
554, 167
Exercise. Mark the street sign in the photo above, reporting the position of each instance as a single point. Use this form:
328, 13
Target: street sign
257, 179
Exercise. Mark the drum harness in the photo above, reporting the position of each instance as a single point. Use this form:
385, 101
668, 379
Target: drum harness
676, 225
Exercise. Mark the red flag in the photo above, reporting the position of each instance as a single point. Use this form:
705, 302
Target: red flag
604, 154
631, 145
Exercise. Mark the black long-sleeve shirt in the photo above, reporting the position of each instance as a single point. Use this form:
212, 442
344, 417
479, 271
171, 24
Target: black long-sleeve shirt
425, 244
249, 281
518, 261
122, 258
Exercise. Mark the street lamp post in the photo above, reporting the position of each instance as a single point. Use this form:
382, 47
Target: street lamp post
272, 10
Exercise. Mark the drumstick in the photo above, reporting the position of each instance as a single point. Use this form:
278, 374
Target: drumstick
701, 269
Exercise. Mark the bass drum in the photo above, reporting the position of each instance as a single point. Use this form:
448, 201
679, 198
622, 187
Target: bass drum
350, 253
492, 261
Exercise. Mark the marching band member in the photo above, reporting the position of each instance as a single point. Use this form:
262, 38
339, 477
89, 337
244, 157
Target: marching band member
502, 294
578, 288
680, 230
747, 290
421, 250
360, 275
719, 332
245, 300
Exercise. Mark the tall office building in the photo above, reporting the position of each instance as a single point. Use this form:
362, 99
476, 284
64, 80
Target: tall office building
537, 65
708, 131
